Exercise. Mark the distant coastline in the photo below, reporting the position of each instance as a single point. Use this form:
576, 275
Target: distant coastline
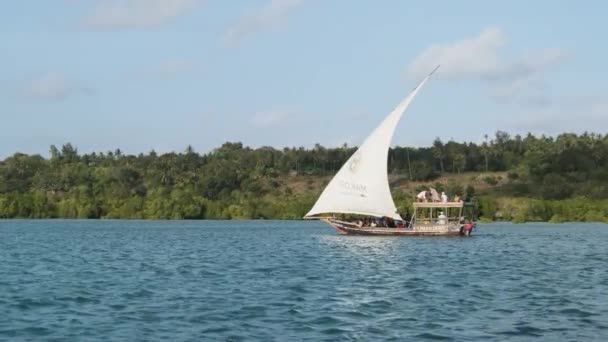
518, 179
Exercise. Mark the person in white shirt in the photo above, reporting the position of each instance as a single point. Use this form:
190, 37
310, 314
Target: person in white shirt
421, 196
442, 219
444, 197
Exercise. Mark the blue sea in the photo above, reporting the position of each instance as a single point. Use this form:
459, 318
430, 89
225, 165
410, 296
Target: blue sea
72, 280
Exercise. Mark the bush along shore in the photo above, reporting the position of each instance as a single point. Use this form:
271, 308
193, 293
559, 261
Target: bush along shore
512, 178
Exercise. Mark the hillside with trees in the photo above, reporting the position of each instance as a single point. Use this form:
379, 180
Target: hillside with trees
516, 178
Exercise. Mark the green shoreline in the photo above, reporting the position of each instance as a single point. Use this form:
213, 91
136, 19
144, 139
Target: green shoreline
517, 179
481, 220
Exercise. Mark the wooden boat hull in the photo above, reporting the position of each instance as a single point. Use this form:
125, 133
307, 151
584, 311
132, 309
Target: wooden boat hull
345, 228
396, 232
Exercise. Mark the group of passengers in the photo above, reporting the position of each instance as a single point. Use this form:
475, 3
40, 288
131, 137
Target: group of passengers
384, 222
432, 195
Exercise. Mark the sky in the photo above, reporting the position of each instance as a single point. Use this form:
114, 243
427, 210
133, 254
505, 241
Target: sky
144, 75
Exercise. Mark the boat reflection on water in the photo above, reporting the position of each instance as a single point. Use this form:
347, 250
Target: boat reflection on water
361, 245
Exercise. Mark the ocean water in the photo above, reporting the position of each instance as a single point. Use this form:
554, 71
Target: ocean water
298, 280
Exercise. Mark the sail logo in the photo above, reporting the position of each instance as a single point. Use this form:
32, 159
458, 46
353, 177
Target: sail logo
355, 161
360, 188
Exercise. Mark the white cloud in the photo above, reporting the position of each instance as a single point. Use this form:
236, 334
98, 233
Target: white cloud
52, 86
269, 17
475, 56
530, 64
269, 118
562, 115
167, 69
481, 58
526, 73
137, 14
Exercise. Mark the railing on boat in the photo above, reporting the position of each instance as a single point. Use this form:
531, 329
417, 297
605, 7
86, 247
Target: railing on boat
430, 222
439, 204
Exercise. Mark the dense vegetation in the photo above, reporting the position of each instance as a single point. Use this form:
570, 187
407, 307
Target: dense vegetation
513, 178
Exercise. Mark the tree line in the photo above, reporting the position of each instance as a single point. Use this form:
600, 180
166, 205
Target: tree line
236, 181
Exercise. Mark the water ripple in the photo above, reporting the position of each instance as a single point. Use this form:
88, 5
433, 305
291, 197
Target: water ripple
277, 281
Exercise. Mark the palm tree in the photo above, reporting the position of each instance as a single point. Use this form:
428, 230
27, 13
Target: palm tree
438, 152
484, 148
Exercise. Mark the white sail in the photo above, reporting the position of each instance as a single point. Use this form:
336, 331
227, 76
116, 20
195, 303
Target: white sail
361, 186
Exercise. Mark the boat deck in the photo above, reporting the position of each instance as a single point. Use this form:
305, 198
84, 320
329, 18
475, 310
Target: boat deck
396, 231
345, 227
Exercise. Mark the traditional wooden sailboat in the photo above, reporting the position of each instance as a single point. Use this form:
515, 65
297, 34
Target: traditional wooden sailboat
361, 189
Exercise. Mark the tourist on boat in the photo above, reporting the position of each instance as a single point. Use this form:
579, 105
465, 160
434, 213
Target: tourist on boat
442, 219
444, 197
466, 229
421, 196
434, 195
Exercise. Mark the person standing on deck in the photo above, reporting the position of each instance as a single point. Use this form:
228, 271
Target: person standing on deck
434, 195
467, 228
444, 197
421, 196
442, 219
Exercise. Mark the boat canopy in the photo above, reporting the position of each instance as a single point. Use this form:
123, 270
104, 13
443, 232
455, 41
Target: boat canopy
361, 185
